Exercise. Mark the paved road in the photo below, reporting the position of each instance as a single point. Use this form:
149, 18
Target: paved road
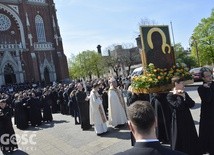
62, 137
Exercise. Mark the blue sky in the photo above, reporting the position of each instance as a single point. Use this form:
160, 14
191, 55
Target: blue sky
86, 23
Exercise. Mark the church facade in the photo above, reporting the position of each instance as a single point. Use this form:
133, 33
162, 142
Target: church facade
31, 47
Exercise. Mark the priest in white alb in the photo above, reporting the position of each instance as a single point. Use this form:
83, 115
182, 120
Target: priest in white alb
116, 105
97, 114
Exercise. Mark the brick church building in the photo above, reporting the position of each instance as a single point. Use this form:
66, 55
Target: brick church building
30, 42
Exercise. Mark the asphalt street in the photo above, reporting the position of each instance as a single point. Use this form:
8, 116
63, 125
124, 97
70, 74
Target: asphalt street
62, 137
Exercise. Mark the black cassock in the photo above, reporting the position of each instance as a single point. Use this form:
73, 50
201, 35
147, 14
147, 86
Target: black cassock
46, 105
74, 109
61, 102
35, 111
184, 136
206, 126
21, 115
84, 109
6, 127
164, 117
54, 97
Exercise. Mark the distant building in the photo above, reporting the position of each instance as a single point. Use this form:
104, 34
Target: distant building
30, 42
128, 59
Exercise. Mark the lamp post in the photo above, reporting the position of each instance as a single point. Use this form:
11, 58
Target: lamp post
117, 67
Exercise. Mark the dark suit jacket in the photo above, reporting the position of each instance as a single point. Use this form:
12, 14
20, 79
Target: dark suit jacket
150, 148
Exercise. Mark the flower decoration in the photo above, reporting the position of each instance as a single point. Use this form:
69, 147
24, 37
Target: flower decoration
155, 77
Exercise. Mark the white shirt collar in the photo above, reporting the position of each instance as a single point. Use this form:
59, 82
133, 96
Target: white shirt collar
147, 140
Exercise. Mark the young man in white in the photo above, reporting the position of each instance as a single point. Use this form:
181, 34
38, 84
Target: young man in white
97, 114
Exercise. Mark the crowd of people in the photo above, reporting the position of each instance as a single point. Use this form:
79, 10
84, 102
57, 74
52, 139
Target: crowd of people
94, 103
31, 105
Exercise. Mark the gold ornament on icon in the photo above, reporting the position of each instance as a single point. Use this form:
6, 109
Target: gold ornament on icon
164, 44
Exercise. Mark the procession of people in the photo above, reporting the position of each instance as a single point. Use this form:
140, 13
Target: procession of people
99, 104
33, 106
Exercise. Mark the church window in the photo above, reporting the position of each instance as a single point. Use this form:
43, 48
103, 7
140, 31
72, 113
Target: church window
40, 29
5, 22
8, 69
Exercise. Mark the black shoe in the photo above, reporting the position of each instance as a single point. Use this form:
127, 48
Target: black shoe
120, 125
76, 123
100, 134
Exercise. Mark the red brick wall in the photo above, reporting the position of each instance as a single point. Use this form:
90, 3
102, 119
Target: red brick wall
31, 66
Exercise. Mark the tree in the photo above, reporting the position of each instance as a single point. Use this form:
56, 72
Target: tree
74, 68
147, 21
182, 56
202, 41
113, 63
96, 64
86, 64
122, 56
132, 57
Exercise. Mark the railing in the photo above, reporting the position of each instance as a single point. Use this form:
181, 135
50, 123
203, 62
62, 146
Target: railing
10, 46
43, 46
39, 1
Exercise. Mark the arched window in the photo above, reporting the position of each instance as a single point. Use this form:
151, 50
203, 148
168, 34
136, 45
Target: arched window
46, 75
9, 74
40, 29
8, 69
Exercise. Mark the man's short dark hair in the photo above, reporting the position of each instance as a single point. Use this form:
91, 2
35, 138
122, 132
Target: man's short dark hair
204, 69
176, 79
142, 115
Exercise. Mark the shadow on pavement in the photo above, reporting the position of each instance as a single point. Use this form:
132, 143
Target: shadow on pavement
19, 152
116, 133
45, 125
59, 121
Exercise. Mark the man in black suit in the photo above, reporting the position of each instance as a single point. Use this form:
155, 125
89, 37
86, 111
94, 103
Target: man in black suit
142, 123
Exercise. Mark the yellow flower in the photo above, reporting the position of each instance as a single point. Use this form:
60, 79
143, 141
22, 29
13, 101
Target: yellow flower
154, 77
150, 79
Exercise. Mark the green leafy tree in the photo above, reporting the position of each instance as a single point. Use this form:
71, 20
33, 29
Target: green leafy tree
202, 41
96, 63
74, 68
182, 56
86, 64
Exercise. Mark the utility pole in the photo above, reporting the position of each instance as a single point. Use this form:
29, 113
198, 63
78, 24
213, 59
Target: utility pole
173, 38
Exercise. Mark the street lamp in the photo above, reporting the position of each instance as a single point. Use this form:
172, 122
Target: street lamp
117, 67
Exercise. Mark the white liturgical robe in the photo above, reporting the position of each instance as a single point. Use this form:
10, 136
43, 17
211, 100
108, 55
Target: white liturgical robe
116, 107
97, 114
